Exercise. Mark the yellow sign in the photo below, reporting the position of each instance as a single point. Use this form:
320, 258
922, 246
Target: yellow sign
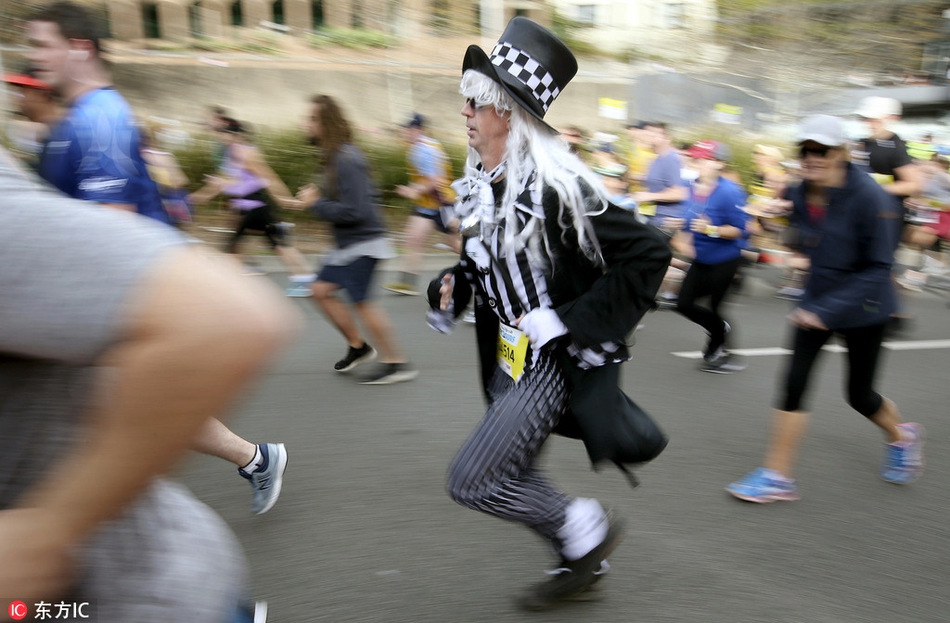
726, 113
728, 109
612, 109
512, 350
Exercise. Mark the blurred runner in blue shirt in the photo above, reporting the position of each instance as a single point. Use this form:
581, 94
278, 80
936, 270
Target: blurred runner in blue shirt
717, 224
665, 198
93, 153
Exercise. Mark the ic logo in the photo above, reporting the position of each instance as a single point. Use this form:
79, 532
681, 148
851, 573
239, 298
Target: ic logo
18, 610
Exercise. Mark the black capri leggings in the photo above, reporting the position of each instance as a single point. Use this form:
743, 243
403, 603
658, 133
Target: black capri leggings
258, 219
864, 348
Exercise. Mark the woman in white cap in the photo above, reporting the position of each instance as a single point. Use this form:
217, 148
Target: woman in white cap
845, 223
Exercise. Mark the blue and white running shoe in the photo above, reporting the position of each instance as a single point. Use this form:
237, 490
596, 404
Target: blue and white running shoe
266, 480
763, 486
904, 460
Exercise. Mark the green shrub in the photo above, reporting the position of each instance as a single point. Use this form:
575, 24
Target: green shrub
741, 146
196, 160
164, 45
294, 161
254, 46
355, 38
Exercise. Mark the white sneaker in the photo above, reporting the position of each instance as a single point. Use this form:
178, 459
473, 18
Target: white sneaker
298, 290
260, 612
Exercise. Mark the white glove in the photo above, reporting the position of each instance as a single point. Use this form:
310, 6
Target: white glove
541, 325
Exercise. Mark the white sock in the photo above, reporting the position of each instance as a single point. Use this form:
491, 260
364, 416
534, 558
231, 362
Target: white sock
255, 462
585, 527
906, 436
303, 278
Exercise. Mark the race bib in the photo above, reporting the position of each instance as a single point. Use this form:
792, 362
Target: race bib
512, 350
647, 208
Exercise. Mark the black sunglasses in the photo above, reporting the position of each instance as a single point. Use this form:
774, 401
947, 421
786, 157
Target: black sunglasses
821, 151
475, 105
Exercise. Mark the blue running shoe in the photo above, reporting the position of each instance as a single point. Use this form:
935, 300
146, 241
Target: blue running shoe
904, 460
298, 291
762, 486
268, 478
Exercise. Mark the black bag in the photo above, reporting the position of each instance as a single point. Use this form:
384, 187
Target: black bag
613, 427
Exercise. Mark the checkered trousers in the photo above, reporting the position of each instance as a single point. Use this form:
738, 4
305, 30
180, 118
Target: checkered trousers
495, 471
527, 71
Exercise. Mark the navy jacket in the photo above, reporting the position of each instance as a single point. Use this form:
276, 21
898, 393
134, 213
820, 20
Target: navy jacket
851, 251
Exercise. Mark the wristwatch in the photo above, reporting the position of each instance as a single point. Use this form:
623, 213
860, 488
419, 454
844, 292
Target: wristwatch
712, 231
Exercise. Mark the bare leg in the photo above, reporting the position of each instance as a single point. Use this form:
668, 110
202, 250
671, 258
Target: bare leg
673, 278
454, 240
788, 429
324, 295
376, 321
218, 440
236, 259
294, 261
888, 417
417, 230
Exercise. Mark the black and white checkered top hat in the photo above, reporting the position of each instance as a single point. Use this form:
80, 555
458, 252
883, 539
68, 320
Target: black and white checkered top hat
529, 62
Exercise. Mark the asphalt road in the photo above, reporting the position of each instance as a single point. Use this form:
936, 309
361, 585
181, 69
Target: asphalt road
364, 531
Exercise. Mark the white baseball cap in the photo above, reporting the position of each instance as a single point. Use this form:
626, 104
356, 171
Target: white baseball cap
822, 129
874, 107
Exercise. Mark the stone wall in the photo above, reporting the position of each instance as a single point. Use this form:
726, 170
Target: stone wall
127, 17
374, 98
254, 11
126, 20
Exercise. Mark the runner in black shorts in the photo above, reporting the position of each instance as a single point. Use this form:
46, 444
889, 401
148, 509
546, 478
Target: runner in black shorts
437, 217
259, 219
346, 198
429, 176
254, 190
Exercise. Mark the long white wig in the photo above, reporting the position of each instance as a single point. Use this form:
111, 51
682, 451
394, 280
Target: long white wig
531, 146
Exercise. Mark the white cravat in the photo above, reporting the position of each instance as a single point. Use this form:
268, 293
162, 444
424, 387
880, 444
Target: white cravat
476, 196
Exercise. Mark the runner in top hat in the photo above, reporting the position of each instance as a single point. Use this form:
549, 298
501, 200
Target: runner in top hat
559, 277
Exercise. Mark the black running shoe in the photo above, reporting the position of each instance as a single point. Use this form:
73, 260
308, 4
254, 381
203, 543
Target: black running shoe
355, 357
721, 363
575, 576
389, 373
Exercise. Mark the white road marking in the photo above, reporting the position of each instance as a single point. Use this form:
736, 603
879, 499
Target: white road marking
831, 348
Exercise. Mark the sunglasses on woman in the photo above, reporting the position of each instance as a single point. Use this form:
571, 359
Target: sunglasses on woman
821, 151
